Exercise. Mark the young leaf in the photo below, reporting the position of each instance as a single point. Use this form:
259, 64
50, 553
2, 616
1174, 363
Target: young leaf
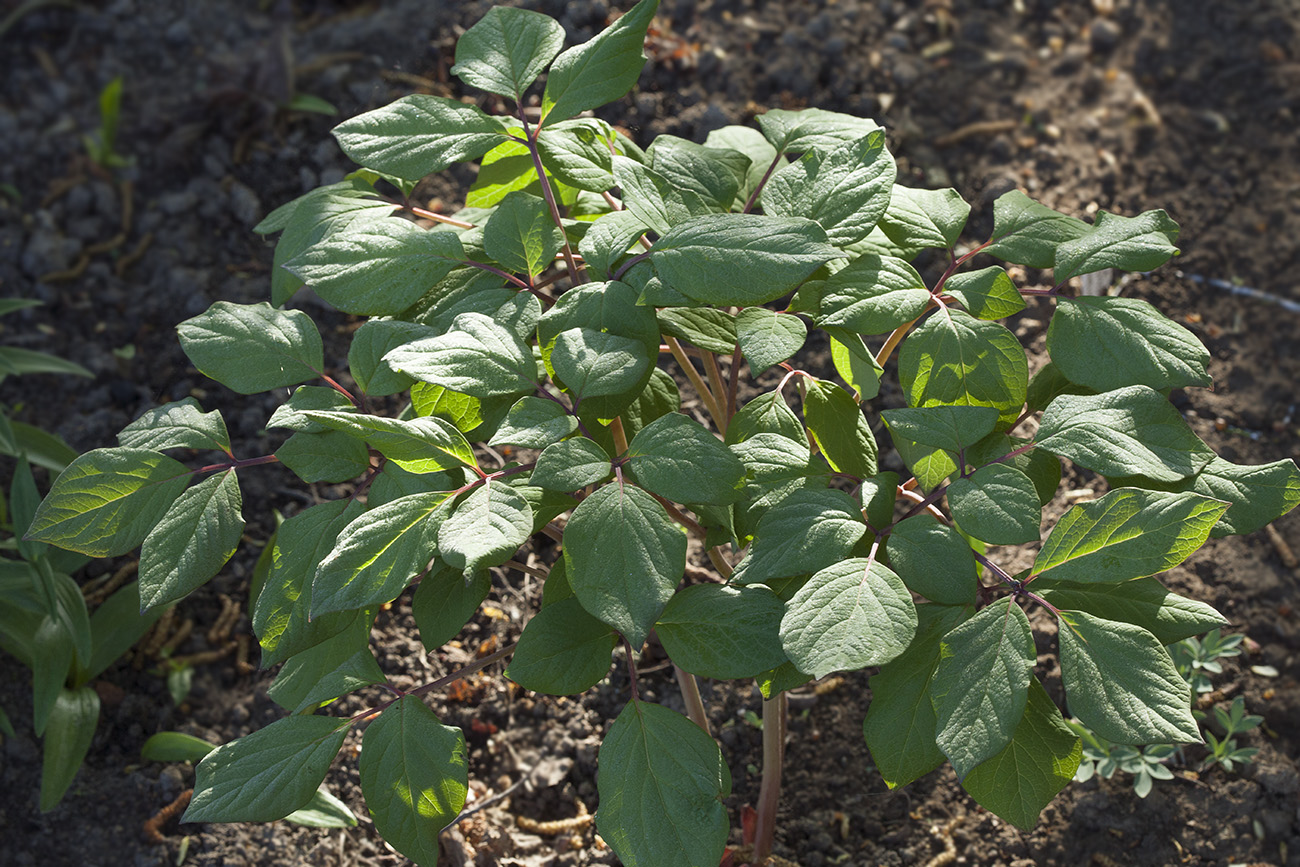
253, 347
767, 337
1141, 243
486, 528
323, 811
418, 135
1143, 602
175, 747
444, 603
415, 776
807, 531
563, 650
951, 428
1129, 533
520, 235
872, 295
996, 504
811, 129
1131, 431
68, 734
505, 51
933, 560
845, 190
986, 294
420, 445
981, 684
661, 785
840, 429
676, 458
570, 465
925, 218
266, 775
1031, 770
192, 540
1120, 682
740, 259
900, 723
600, 70
1027, 233
624, 557
956, 360
107, 501
179, 425
1108, 343
721, 632
848, 616
478, 357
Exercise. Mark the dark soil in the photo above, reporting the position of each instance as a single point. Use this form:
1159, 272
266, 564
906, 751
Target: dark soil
1122, 105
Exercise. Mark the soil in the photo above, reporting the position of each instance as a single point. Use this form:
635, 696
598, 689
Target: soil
1121, 105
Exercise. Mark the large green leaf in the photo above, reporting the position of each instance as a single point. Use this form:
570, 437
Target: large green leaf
253, 347
722, 632
328, 456
192, 540
478, 357
486, 528
415, 776
951, 428
706, 327
1142, 601
600, 70
740, 259
179, 425
840, 429
845, 190
520, 235
570, 465
607, 242
505, 51
444, 603
987, 293
1108, 343
807, 531
714, 174
933, 560
419, 445
1141, 243
981, 684
106, 501
848, 616
334, 667
1027, 774
1131, 431
811, 129
370, 343
68, 734
593, 363
925, 218
997, 504
900, 723
957, 360
418, 135
661, 785
577, 152
563, 650
676, 458
534, 423
767, 337
872, 295
266, 775
1129, 533
1028, 233
652, 199
1120, 682
1258, 494
624, 557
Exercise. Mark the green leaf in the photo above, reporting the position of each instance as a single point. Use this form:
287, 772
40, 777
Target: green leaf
68, 735
661, 785
444, 603
476, 418
414, 775
577, 152
41, 448
811, 129
192, 540
1143, 602
1129, 533
933, 560
335, 667
570, 465
1120, 682
900, 723
996, 504
323, 811
304, 398
329, 456
840, 429
52, 658
503, 170
175, 747
987, 293
1141, 243
563, 650
378, 554
179, 425
608, 240
1027, 233
107, 501
845, 190
676, 458
505, 51
1108, 343
872, 295
534, 423
418, 135
420, 445
659, 398
116, 625
750, 142
951, 428
807, 531
601, 69
478, 357
1042, 468
766, 413
1031, 770
377, 267
1131, 431
624, 557
713, 174
15, 361
767, 337
925, 218
707, 327
594, 363
652, 199
721, 632
954, 359
1258, 494
740, 259
486, 529
848, 616
981, 684
253, 347
930, 466
520, 235
266, 775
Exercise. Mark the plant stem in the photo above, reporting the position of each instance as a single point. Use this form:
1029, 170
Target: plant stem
631, 670
508, 277
619, 435
549, 195
438, 218
691, 695
719, 388
769, 793
753, 197
723, 567
710, 402
236, 465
